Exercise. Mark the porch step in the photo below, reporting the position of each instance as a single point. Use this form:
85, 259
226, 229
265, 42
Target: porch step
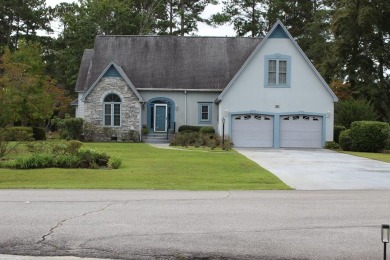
154, 138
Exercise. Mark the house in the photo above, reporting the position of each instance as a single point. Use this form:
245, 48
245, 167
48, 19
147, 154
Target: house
261, 92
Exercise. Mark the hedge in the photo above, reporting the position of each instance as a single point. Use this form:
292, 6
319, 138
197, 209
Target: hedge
369, 136
17, 133
207, 130
189, 128
345, 140
336, 132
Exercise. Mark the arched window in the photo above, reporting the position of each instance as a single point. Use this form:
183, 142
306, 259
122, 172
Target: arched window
112, 110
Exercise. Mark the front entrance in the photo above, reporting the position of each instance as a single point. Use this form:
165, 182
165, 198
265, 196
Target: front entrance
161, 115
160, 118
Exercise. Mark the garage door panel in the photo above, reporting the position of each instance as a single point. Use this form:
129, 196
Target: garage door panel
301, 131
252, 131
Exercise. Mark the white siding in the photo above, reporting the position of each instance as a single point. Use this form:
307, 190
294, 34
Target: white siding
80, 107
306, 94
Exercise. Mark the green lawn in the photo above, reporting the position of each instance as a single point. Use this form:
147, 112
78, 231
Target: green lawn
146, 167
384, 157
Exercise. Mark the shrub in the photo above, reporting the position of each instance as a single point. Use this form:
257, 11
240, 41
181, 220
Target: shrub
90, 131
227, 143
332, 145
110, 133
145, 130
114, 163
131, 136
64, 155
212, 142
185, 139
90, 158
349, 111
189, 128
345, 140
387, 144
67, 161
207, 130
18, 133
35, 161
197, 140
39, 133
38, 147
336, 132
73, 146
71, 128
369, 136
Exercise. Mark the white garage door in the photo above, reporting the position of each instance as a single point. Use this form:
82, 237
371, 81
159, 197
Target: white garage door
301, 131
252, 130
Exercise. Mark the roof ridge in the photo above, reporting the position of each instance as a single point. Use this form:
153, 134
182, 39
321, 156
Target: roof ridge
184, 37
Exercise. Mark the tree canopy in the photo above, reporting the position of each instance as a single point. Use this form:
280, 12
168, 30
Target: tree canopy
347, 40
27, 94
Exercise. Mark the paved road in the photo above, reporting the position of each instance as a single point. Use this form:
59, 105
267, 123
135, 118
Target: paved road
321, 169
191, 225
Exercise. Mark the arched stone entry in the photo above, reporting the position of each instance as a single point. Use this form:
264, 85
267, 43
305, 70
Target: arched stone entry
161, 115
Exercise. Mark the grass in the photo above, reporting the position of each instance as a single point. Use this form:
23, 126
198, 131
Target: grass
146, 167
384, 157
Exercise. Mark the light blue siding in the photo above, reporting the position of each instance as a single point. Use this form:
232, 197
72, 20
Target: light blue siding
278, 33
112, 72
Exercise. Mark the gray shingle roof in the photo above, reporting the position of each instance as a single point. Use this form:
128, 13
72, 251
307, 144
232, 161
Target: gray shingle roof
168, 62
82, 78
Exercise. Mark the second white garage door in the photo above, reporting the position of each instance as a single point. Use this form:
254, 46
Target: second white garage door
301, 131
252, 130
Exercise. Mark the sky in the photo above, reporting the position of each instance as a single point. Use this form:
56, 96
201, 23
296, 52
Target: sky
203, 29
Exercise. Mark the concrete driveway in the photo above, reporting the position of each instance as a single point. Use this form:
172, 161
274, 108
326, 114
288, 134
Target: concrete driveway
320, 169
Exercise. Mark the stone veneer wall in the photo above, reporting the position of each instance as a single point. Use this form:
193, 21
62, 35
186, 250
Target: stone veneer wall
131, 108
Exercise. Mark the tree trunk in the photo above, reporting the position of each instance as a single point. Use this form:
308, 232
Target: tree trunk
182, 17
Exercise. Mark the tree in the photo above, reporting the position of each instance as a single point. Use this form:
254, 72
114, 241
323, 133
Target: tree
27, 95
22, 19
361, 47
351, 110
83, 21
183, 15
246, 16
308, 22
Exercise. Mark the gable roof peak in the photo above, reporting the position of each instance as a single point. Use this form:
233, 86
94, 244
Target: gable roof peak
278, 25
121, 73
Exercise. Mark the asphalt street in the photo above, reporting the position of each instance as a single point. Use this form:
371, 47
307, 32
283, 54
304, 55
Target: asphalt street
194, 225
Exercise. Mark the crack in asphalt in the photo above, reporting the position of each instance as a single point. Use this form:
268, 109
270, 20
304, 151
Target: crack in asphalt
59, 224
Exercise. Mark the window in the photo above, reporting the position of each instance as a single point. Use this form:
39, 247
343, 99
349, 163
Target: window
112, 110
204, 113
277, 71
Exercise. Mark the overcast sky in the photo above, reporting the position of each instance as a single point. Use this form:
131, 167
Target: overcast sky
204, 30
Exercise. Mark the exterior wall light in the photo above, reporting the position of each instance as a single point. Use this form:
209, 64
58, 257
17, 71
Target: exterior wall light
385, 238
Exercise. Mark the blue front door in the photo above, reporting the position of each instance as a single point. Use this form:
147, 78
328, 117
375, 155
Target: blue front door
160, 118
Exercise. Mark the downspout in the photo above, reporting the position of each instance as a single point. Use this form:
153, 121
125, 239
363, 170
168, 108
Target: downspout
185, 107
141, 107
